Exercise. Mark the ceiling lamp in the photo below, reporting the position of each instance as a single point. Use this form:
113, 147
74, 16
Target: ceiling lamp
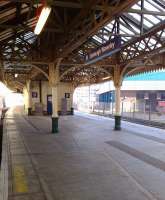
42, 19
15, 75
105, 78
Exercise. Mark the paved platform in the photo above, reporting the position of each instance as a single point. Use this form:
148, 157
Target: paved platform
87, 160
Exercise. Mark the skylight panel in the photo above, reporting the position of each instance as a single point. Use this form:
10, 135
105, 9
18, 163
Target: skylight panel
109, 26
31, 41
136, 16
135, 29
158, 45
8, 50
97, 38
106, 37
142, 45
161, 17
153, 41
163, 34
152, 18
125, 39
147, 23
18, 40
136, 6
157, 5
80, 52
150, 7
126, 30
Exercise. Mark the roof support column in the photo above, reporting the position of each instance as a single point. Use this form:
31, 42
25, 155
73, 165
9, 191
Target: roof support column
29, 101
54, 81
117, 84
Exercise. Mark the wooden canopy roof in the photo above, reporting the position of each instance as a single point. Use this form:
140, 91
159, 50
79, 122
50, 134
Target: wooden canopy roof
75, 28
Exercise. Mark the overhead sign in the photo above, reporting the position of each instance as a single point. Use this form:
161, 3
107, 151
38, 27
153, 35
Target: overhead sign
34, 94
104, 51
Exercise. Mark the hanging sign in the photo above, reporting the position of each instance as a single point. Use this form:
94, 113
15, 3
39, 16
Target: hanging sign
34, 94
106, 50
67, 95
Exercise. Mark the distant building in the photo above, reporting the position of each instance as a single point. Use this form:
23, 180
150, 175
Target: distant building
146, 90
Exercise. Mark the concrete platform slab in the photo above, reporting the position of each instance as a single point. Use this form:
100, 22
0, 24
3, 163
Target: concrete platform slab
87, 160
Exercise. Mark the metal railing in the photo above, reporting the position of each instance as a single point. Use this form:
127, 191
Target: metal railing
132, 110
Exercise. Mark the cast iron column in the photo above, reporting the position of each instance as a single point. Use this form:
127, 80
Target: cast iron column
54, 81
54, 109
29, 106
117, 83
117, 109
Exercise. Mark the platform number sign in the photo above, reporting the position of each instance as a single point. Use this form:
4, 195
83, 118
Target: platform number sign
67, 95
34, 94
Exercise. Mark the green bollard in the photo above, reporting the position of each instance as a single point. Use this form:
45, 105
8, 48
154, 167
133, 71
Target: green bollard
117, 123
72, 111
54, 124
29, 111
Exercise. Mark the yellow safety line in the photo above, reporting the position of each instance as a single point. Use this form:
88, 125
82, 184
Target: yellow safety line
20, 181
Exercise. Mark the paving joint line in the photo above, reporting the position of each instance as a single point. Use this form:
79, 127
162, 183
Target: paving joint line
131, 177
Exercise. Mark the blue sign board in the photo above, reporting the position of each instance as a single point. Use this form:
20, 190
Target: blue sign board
107, 97
106, 50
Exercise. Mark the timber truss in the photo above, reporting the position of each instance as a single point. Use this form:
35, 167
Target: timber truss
76, 28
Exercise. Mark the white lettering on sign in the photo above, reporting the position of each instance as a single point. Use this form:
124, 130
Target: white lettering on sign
101, 50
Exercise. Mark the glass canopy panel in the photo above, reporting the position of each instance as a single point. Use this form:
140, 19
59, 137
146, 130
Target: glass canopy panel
152, 18
106, 37
147, 23
130, 23
149, 6
125, 30
98, 39
136, 16
157, 4
161, 17
136, 6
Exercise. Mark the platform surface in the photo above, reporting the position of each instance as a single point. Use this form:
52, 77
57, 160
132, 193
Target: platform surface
86, 160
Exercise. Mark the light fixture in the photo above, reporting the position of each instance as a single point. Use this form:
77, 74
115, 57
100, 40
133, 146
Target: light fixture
42, 19
105, 78
15, 75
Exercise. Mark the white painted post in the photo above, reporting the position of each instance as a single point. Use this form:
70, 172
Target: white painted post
117, 102
54, 101
54, 80
29, 100
117, 84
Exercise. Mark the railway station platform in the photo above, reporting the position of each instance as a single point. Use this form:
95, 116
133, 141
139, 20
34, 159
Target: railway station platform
86, 160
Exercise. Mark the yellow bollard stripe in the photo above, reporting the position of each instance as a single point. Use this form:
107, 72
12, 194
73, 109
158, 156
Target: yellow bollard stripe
20, 181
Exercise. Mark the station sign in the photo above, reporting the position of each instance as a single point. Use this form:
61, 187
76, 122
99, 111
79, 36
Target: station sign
67, 95
34, 94
103, 51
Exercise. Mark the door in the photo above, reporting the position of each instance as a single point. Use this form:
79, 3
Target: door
49, 104
63, 106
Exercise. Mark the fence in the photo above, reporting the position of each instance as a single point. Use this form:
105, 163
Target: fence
143, 110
